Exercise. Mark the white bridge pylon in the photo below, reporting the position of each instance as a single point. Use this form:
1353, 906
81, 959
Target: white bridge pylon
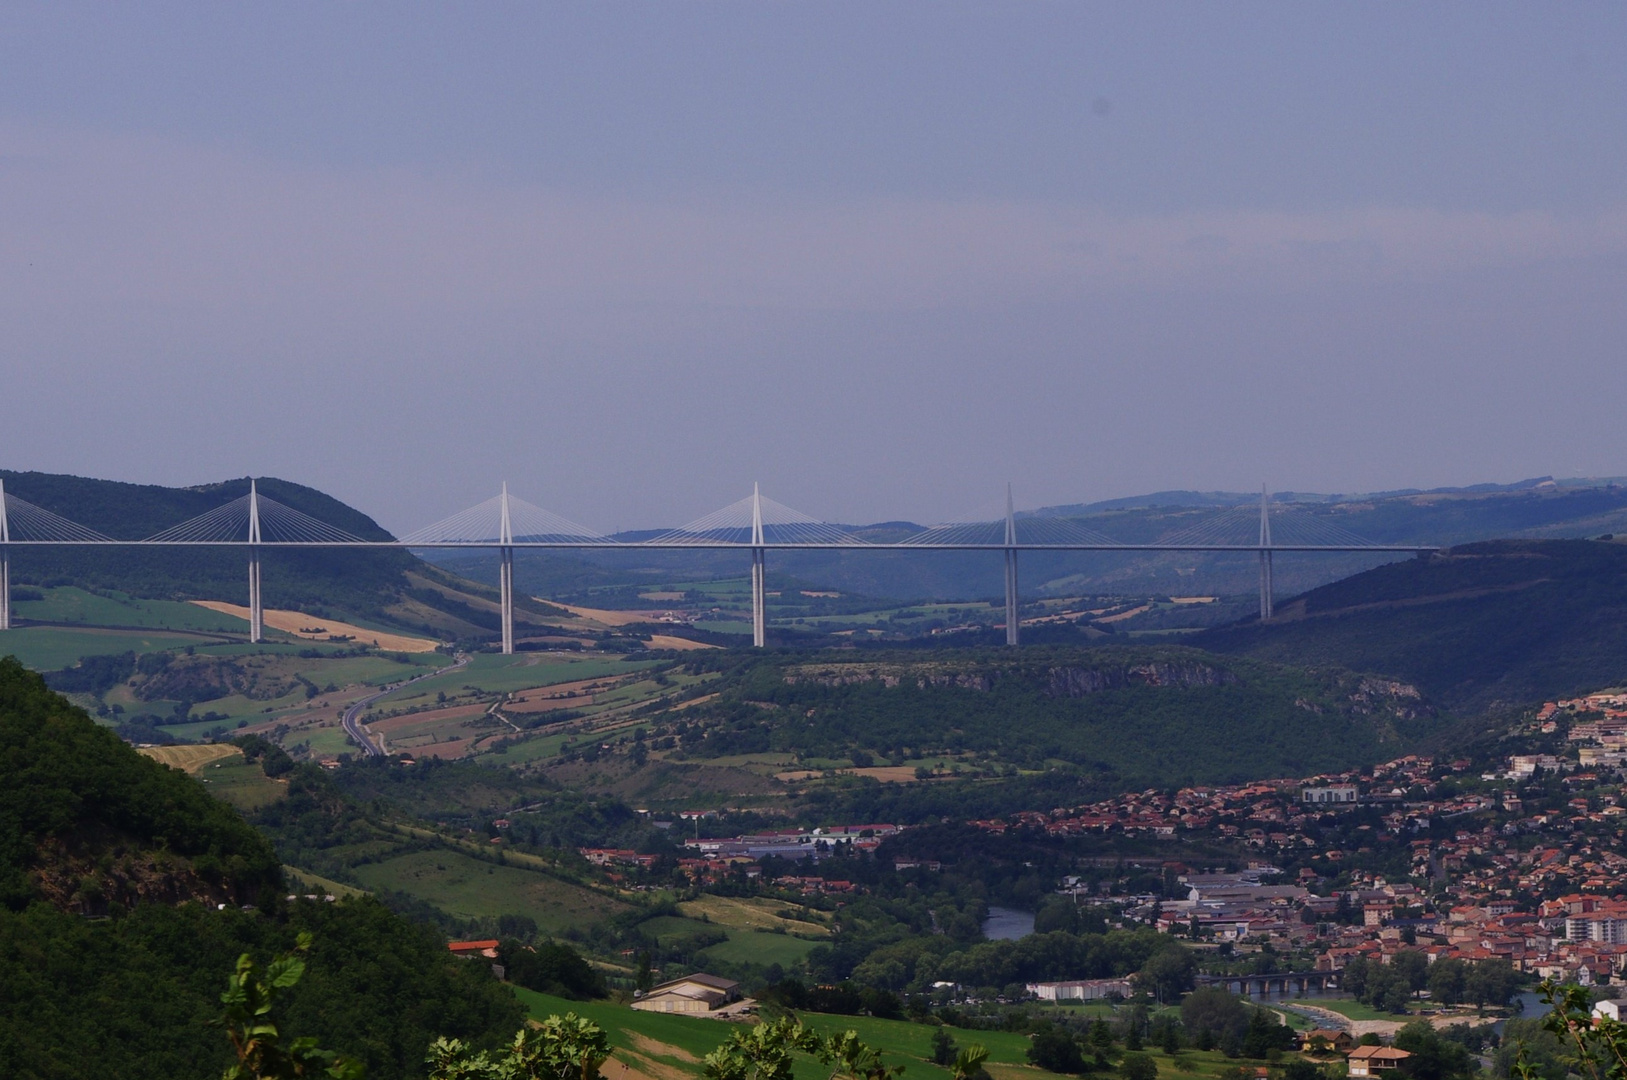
998, 525
1271, 525
503, 521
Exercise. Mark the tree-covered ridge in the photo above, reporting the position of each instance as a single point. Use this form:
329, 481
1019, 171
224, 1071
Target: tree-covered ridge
1502, 623
88, 823
1160, 714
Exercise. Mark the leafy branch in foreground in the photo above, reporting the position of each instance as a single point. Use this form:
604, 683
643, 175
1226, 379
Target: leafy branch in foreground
560, 1048
763, 1052
261, 1052
768, 1052
1600, 1043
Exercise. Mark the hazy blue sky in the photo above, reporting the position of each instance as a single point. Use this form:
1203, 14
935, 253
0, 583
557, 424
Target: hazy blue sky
880, 257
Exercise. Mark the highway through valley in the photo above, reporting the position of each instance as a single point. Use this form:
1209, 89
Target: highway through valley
352, 718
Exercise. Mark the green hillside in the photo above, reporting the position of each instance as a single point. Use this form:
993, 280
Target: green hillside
90, 827
1477, 626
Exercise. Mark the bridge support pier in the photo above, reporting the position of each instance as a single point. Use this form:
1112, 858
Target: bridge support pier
759, 599
256, 608
759, 574
505, 586
1266, 600
505, 571
5, 563
1013, 619
1013, 616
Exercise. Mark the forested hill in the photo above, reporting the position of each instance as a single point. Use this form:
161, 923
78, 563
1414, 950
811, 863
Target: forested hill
90, 827
387, 586
1502, 623
1096, 718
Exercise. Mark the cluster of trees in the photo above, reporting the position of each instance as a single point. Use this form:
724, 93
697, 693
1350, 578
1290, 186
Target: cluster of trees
845, 998
1213, 1018
550, 967
1450, 981
1210, 1019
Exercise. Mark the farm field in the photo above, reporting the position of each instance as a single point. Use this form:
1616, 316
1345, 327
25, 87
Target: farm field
494, 673
70, 604
470, 888
754, 913
47, 648
446, 733
301, 625
190, 759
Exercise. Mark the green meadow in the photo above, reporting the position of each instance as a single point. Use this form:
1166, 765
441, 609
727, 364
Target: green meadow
47, 648
69, 604
472, 888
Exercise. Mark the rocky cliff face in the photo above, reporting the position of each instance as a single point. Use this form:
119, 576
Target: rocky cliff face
1061, 681
1077, 682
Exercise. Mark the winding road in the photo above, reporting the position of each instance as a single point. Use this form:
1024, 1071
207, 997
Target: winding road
351, 720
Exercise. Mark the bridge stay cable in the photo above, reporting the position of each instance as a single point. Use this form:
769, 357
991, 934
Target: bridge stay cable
21, 522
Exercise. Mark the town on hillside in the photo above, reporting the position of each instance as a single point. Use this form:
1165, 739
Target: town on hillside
1450, 859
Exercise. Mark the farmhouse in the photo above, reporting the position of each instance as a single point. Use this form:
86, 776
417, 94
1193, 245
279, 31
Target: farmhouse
698, 993
1329, 1039
1373, 1060
486, 948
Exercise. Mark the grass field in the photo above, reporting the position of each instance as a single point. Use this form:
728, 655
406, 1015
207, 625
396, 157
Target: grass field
303, 881
1348, 1008
665, 1047
471, 888
46, 648
757, 947
721, 627
69, 604
242, 783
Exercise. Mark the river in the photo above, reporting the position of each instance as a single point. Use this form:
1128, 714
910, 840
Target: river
1007, 924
